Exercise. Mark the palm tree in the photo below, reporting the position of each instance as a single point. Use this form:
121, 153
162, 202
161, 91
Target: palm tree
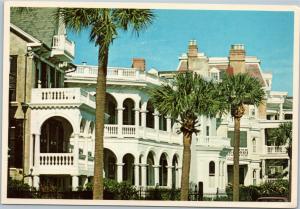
283, 136
239, 90
104, 25
184, 99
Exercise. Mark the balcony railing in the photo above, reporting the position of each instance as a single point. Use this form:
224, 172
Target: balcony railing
243, 153
62, 45
115, 73
62, 96
216, 141
276, 149
56, 159
113, 130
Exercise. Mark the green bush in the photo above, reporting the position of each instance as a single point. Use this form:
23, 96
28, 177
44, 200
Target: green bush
162, 194
114, 190
19, 189
268, 189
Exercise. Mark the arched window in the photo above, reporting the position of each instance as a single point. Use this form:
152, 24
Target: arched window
212, 168
215, 74
254, 145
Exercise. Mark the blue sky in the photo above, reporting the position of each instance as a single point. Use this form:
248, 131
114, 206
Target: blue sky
267, 35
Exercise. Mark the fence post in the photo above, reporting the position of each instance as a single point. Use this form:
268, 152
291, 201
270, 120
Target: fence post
217, 193
200, 191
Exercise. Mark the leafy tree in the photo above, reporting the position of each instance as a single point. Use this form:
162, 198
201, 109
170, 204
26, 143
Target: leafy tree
239, 90
104, 26
283, 136
184, 99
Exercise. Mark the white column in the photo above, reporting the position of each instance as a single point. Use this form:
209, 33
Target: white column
37, 151
225, 175
86, 180
281, 111
120, 172
76, 148
216, 183
179, 171
39, 67
75, 183
137, 117
258, 180
169, 182
143, 113
156, 120
156, 174
263, 165
136, 174
120, 121
144, 174
169, 124
31, 154
86, 152
36, 182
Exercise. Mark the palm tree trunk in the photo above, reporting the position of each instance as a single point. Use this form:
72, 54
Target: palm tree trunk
236, 156
99, 125
186, 163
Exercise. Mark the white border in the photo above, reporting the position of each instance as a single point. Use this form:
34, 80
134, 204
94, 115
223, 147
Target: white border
177, 6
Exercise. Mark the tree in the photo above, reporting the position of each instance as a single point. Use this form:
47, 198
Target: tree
239, 90
184, 99
282, 136
104, 25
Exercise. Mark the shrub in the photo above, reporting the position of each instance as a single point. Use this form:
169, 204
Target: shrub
19, 189
162, 194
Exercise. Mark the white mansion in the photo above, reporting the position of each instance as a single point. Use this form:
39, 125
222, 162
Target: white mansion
52, 114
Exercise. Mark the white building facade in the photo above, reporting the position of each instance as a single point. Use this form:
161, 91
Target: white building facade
141, 146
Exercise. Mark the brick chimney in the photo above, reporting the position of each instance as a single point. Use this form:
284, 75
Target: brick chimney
237, 58
139, 63
193, 48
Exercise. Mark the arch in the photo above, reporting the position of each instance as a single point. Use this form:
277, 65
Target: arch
74, 123
111, 115
110, 168
55, 135
128, 112
150, 116
150, 169
163, 170
212, 168
214, 73
128, 168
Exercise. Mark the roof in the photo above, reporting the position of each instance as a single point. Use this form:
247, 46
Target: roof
254, 71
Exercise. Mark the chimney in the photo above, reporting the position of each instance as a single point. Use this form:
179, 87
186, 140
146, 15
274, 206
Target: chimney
237, 58
193, 48
139, 63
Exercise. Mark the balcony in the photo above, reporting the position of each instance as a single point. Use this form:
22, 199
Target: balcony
213, 141
275, 150
61, 96
243, 153
63, 48
132, 131
86, 73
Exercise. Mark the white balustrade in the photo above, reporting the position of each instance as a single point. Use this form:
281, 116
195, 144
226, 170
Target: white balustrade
56, 159
217, 141
61, 96
111, 130
61, 43
243, 153
276, 149
114, 73
128, 130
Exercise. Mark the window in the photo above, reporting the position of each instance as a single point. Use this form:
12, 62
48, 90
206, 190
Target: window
254, 177
211, 168
243, 138
91, 128
214, 74
12, 78
254, 145
207, 130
